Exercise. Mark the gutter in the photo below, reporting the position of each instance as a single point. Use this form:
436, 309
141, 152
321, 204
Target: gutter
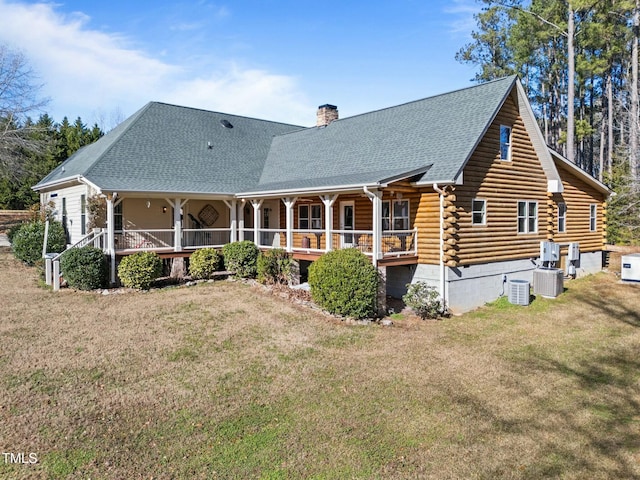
308, 191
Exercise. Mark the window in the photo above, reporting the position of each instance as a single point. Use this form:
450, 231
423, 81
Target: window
316, 217
505, 143
593, 211
386, 215
310, 217
527, 217
562, 217
395, 215
64, 212
117, 217
478, 212
83, 214
401, 215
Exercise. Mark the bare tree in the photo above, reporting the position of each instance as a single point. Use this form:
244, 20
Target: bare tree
19, 96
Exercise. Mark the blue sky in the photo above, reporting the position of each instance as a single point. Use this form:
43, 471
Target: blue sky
268, 59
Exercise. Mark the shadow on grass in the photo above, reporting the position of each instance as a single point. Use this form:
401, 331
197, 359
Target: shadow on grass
590, 423
623, 313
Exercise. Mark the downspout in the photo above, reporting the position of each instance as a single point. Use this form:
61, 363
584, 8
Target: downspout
442, 268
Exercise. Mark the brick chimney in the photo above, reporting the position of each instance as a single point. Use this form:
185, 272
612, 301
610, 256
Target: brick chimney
326, 114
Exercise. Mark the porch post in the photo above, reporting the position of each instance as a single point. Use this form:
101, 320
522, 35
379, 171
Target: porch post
233, 219
376, 198
111, 238
328, 201
177, 224
241, 220
257, 204
288, 204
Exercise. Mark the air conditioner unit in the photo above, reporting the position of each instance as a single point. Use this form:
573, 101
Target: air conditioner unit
518, 292
630, 267
548, 282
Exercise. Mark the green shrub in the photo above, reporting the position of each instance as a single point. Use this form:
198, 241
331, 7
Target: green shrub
84, 268
140, 270
423, 299
11, 232
28, 240
274, 266
241, 258
345, 282
203, 263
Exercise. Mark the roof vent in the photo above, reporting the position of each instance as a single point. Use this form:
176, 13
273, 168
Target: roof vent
226, 123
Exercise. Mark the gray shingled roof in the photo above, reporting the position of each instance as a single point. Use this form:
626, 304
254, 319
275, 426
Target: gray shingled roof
438, 132
164, 148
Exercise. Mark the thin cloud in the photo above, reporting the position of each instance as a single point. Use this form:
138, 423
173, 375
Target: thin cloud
87, 71
463, 12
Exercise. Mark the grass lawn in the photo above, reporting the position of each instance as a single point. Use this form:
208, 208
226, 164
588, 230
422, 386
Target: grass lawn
223, 380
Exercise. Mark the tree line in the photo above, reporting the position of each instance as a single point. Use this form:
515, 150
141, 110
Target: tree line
29, 149
578, 62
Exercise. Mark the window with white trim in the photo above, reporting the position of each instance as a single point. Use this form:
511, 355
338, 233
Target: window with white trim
593, 213
505, 143
395, 214
117, 217
83, 214
310, 217
478, 211
527, 217
401, 214
386, 215
562, 217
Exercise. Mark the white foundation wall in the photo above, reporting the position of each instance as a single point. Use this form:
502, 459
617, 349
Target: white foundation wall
590, 262
474, 285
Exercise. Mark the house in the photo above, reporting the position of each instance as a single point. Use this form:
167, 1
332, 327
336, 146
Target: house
457, 190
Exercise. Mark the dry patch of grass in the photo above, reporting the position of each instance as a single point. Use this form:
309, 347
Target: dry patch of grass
226, 381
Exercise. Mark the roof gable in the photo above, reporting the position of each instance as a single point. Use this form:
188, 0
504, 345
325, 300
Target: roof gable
437, 134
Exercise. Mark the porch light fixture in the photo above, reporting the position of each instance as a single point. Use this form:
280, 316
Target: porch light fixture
164, 209
148, 203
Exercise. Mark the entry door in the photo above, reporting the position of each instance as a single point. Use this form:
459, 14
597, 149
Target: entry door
270, 220
347, 222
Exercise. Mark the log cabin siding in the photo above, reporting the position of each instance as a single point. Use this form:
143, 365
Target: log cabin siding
427, 221
502, 184
579, 196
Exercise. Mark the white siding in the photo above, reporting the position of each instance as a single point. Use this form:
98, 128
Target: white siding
72, 196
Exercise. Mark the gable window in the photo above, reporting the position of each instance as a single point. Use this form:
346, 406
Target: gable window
478, 212
117, 217
562, 217
83, 214
593, 210
527, 217
310, 217
505, 143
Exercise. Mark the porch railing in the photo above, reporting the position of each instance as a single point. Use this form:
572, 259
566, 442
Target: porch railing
160, 239
205, 237
394, 243
400, 242
272, 238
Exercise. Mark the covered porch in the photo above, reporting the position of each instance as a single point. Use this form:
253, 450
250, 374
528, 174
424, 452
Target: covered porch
379, 223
